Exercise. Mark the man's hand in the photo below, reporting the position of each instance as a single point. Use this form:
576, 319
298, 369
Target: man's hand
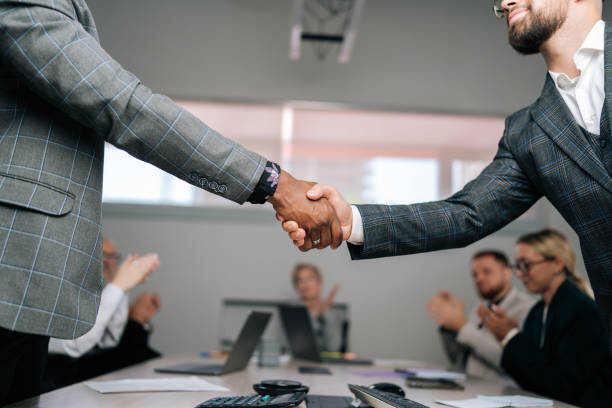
496, 320
317, 219
323, 306
341, 207
447, 311
134, 270
144, 307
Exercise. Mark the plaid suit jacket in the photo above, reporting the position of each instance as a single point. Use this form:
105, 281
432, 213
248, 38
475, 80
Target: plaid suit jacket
543, 152
61, 97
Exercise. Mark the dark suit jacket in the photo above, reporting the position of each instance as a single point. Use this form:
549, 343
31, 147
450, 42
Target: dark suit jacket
573, 364
543, 152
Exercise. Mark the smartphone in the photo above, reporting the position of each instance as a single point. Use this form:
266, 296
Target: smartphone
433, 383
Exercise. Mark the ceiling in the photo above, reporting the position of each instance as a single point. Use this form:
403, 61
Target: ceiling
432, 56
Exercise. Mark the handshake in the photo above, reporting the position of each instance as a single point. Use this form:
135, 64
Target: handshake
314, 215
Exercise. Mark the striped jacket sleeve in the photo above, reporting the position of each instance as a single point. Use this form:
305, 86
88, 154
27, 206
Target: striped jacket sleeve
52, 50
501, 193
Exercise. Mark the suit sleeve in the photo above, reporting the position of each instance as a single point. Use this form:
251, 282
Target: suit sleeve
455, 351
566, 377
62, 63
482, 344
501, 193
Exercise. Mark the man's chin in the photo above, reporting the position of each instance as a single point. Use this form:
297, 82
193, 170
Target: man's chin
489, 295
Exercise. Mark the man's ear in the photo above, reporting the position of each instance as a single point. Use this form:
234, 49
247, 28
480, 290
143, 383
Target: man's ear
508, 273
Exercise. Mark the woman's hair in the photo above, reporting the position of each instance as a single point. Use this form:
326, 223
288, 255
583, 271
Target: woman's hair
552, 244
298, 267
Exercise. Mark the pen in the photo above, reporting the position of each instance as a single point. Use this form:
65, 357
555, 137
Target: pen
480, 325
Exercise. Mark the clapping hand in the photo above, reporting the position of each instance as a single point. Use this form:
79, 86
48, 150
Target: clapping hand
134, 270
496, 321
447, 310
316, 193
144, 307
323, 306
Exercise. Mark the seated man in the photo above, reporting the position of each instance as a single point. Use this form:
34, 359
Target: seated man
120, 334
330, 327
469, 345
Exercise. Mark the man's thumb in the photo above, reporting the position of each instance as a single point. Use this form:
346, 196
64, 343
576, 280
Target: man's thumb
316, 192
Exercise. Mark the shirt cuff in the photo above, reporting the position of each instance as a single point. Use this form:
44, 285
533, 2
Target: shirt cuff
266, 186
356, 237
509, 336
113, 292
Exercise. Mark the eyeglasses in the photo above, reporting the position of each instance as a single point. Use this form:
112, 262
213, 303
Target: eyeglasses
524, 267
498, 10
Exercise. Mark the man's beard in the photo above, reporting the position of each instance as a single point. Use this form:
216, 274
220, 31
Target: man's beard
543, 26
493, 292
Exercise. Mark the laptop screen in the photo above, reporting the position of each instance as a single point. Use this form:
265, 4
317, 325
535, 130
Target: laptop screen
248, 339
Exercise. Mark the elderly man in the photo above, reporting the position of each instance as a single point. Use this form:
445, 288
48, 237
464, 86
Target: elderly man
121, 332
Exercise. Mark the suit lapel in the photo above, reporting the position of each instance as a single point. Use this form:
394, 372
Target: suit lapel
551, 113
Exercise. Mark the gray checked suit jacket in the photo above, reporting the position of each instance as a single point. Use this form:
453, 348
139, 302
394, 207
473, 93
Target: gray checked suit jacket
543, 152
61, 97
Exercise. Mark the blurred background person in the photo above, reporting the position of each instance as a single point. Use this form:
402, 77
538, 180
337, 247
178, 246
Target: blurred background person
330, 326
120, 335
470, 346
561, 350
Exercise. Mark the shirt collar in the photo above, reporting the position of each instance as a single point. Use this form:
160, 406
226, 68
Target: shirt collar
595, 39
593, 44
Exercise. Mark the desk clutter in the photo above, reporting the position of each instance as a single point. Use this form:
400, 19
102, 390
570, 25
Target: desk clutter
287, 394
433, 387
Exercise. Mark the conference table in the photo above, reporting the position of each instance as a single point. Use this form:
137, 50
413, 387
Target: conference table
241, 382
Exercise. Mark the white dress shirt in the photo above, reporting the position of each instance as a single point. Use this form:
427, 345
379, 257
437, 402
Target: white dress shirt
583, 95
106, 332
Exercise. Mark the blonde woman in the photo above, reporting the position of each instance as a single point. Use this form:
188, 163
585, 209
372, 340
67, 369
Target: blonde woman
561, 351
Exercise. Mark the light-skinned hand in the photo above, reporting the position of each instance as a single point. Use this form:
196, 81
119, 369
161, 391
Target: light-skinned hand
134, 270
496, 321
340, 206
144, 307
322, 306
317, 218
447, 310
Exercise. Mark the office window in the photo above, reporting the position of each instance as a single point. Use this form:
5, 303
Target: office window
394, 180
370, 156
463, 171
127, 179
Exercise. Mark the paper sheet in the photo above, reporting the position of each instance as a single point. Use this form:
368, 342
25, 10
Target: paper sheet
484, 401
519, 400
433, 374
192, 383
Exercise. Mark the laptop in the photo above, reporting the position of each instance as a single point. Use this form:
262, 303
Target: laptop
239, 357
302, 341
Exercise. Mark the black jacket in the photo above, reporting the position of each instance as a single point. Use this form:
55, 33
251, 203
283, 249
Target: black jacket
574, 364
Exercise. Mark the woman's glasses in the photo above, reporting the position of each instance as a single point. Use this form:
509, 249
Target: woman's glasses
525, 266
